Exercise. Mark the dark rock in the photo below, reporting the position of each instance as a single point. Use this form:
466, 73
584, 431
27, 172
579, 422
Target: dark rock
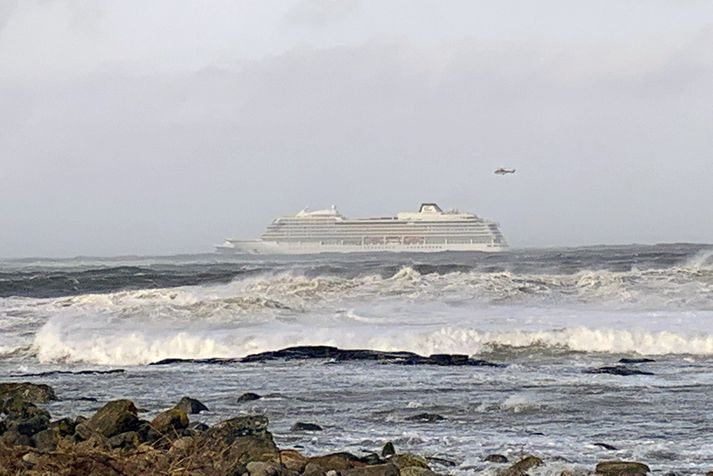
248, 397
199, 426
606, 446
191, 406
387, 469
388, 450
293, 460
314, 469
407, 460
68, 372
118, 416
25, 418
302, 426
262, 468
622, 468
403, 358
336, 462
28, 392
495, 458
255, 448
146, 432
522, 467
416, 471
45, 440
170, 421
618, 370
16, 406
63, 427
30, 425
635, 361
126, 440
449, 359
230, 430
82, 432
426, 418
209, 361
441, 461
13, 438
244, 449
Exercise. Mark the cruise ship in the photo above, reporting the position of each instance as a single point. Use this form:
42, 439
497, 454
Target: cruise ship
430, 229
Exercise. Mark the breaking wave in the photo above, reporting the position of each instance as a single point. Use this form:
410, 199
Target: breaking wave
421, 307
679, 287
701, 260
68, 344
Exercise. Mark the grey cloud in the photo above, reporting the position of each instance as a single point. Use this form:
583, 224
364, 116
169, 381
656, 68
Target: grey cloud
7, 8
321, 12
170, 163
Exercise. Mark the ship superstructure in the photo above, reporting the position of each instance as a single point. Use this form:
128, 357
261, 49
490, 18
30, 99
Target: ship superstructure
430, 229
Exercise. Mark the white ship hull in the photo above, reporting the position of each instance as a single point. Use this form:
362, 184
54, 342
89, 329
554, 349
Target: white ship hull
430, 230
258, 247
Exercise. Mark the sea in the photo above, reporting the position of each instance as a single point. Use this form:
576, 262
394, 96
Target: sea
92, 327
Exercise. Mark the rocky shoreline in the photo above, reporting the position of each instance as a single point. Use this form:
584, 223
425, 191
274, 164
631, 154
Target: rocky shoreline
116, 441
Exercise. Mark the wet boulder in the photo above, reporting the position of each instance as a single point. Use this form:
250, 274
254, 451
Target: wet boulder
27, 391
63, 427
416, 471
14, 438
146, 432
302, 426
243, 439
248, 397
388, 450
522, 467
495, 458
386, 469
426, 418
343, 355
335, 461
16, 406
118, 416
635, 361
126, 440
25, 418
261, 468
170, 421
229, 430
191, 406
621, 468
409, 460
45, 441
621, 370
293, 460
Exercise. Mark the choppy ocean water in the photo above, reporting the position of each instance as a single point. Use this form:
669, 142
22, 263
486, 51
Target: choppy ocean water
548, 315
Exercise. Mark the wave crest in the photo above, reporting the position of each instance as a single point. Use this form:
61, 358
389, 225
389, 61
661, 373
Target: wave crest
71, 342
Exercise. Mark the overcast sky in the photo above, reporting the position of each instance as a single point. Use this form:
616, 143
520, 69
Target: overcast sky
133, 127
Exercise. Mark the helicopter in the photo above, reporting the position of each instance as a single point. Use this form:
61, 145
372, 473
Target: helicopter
502, 171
